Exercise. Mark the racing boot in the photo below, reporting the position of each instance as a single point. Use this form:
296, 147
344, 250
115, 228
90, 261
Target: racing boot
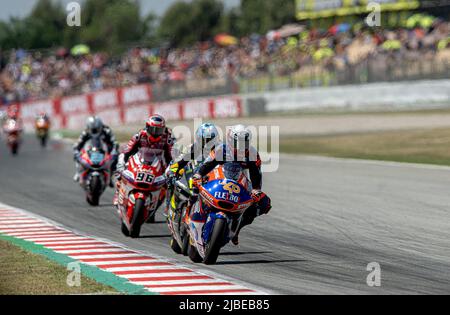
262, 206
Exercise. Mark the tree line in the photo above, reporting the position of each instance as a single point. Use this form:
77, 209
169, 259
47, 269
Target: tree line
114, 25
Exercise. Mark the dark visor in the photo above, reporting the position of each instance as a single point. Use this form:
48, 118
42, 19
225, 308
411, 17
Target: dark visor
155, 131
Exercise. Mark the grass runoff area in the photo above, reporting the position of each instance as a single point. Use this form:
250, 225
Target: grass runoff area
413, 146
427, 146
24, 273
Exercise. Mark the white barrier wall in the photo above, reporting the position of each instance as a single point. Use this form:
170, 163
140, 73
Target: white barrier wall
388, 95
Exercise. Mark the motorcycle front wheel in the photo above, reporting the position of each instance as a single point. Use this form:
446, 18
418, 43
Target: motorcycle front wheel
95, 187
216, 242
138, 218
193, 254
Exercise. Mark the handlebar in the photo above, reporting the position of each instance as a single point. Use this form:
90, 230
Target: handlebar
183, 189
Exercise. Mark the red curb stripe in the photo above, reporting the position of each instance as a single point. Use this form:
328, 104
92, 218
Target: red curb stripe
206, 291
100, 253
81, 248
49, 245
14, 219
195, 284
168, 278
52, 236
37, 233
115, 259
151, 264
18, 229
135, 272
18, 224
79, 238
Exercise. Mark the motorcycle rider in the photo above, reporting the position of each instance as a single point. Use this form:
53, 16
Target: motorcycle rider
13, 113
156, 137
239, 150
42, 116
206, 138
95, 128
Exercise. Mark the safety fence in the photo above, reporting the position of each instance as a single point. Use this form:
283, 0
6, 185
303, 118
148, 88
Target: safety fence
382, 69
127, 106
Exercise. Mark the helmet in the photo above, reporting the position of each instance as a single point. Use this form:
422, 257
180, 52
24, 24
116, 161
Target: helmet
239, 138
207, 134
42, 115
13, 111
155, 127
94, 125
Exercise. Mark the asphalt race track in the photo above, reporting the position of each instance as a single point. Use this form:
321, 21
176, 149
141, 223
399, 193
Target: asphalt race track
331, 218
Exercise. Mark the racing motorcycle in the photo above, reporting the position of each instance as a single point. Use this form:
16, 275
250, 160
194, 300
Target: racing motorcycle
216, 215
95, 175
13, 131
177, 210
141, 191
42, 130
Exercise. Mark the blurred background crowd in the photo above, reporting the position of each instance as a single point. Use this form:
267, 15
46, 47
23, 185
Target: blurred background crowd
162, 55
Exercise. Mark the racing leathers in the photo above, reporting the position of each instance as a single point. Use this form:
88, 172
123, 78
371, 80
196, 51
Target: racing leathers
141, 141
193, 153
249, 160
107, 137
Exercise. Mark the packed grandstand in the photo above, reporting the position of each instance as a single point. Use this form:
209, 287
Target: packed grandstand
294, 50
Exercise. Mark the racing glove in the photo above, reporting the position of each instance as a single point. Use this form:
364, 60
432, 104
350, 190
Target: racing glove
197, 180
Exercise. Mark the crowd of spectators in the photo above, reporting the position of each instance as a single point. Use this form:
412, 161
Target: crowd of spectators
36, 75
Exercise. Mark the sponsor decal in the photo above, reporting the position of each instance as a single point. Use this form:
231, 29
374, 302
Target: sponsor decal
226, 196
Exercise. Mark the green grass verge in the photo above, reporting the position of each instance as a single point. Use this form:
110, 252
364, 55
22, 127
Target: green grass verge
28, 268
24, 273
412, 146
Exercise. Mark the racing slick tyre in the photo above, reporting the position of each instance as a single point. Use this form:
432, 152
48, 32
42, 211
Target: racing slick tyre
138, 217
43, 142
216, 242
124, 230
193, 254
185, 238
95, 187
175, 247
14, 149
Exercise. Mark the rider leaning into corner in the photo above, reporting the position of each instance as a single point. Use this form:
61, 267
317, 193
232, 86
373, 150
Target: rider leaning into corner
96, 129
206, 138
238, 149
155, 138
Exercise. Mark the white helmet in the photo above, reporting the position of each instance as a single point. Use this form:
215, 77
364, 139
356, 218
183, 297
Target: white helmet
239, 137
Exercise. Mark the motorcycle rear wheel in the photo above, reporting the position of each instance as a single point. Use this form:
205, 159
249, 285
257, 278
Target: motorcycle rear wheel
185, 239
193, 254
175, 247
216, 242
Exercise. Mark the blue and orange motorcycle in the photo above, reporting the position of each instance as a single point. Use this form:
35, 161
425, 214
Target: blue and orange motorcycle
216, 215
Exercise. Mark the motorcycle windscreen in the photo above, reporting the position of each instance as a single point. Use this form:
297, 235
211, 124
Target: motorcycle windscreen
150, 156
97, 157
232, 170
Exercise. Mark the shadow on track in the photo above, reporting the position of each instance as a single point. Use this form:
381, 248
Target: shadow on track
261, 261
156, 236
243, 253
